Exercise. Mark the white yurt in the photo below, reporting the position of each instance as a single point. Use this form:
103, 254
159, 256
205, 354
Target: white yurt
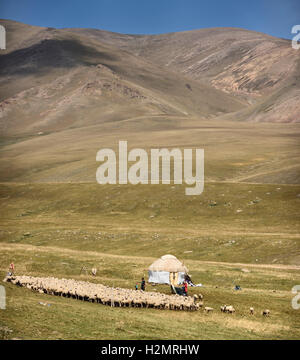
167, 270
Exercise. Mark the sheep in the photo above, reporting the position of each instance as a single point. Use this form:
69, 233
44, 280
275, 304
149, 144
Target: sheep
227, 309
101, 294
194, 307
230, 309
266, 312
208, 309
251, 311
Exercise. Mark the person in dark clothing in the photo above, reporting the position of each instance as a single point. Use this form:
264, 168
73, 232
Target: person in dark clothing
143, 284
187, 278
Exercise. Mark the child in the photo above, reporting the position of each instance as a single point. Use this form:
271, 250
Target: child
12, 268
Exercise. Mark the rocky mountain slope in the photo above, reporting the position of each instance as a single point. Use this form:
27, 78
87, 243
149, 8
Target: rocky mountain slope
64, 93
235, 60
53, 79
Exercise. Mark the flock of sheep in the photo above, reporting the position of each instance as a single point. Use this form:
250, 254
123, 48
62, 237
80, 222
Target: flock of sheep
231, 310
119, 297
101, 294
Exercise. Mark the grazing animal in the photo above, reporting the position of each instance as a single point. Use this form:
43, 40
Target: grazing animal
266, 312
208, 309
251, 310
230, 309
100, 294
223, 308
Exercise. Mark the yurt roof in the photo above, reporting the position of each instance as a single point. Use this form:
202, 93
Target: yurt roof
168, 263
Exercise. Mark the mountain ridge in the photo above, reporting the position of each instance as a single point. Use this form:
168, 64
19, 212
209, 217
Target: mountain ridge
66, 93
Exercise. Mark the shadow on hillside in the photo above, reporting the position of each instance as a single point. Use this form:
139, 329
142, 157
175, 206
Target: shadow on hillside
52, 53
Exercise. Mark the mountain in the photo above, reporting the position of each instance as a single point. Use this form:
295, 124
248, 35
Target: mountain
65, 93
68, 79
263, 70
238, 61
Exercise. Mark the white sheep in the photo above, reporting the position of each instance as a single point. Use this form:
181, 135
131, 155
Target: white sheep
208, 309
230, 309
266, 312
99, 293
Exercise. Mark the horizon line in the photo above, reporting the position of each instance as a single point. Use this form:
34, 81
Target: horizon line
152, 34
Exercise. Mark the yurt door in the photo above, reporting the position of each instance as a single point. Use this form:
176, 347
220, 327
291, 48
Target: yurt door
174, 278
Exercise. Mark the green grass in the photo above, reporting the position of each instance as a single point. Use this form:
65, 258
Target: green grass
55, 229
29, 319
157, 219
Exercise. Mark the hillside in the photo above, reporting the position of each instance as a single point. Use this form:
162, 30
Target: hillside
66, 80
231, 59
67, 92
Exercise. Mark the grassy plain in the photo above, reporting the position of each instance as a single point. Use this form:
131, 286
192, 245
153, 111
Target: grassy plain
55, 229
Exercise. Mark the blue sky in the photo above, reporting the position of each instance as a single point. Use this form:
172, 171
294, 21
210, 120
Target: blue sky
274, 17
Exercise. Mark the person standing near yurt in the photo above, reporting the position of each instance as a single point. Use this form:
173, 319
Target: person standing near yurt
185, 288
143, 284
